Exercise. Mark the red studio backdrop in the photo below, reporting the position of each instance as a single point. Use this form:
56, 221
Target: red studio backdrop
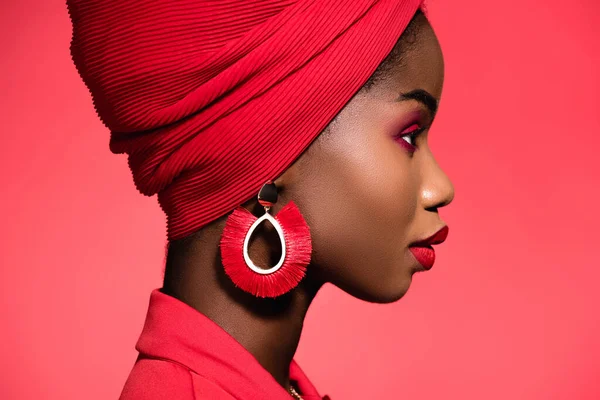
510, 310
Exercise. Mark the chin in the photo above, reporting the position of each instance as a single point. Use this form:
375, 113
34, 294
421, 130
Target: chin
388, 292
396, 293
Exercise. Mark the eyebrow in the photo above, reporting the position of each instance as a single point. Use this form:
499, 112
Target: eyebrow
423, 97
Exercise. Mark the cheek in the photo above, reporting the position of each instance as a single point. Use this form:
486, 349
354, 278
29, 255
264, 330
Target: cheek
377, 176
369, 201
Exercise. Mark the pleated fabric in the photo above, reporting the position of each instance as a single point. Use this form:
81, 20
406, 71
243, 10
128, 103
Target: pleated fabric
210, 99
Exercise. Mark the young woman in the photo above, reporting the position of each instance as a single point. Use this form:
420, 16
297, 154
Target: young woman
309, 116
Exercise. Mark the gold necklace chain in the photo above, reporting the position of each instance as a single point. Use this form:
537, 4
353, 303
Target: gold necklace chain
294, 393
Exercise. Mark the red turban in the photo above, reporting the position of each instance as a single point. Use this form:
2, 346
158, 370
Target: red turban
210, 99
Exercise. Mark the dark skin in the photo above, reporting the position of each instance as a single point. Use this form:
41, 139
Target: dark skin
366, 195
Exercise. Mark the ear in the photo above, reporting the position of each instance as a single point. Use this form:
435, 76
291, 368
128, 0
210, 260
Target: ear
300, 169
289, 178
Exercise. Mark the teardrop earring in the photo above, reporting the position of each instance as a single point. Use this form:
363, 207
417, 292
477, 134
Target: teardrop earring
296, 247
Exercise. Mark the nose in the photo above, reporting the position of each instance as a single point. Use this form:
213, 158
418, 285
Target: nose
437, 190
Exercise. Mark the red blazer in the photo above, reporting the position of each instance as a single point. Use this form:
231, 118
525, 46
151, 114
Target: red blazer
185, 355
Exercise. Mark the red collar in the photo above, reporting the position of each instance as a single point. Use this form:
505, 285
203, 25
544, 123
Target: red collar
177, 332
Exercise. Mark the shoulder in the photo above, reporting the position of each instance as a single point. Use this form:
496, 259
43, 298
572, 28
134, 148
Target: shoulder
152, 379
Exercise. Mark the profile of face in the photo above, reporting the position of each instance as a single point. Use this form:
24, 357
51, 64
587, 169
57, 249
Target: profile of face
369, 186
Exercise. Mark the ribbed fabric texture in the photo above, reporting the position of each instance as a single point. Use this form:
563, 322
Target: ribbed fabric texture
210, 99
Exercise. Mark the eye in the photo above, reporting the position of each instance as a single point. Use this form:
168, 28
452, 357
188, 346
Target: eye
409, 135
409, 139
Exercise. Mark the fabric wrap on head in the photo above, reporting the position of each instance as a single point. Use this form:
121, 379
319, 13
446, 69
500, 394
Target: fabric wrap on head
210, 99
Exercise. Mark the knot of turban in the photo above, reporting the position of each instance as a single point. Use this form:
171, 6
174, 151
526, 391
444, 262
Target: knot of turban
210, 99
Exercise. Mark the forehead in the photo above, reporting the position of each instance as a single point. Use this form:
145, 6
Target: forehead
421, 65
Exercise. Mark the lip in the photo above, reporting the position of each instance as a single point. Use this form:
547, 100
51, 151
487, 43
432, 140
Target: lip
423, 250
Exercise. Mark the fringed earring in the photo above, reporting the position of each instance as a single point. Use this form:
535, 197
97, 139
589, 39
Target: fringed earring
296, 247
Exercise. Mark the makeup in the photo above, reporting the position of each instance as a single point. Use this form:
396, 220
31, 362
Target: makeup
424, 255
423, 250
407, 137
406, 131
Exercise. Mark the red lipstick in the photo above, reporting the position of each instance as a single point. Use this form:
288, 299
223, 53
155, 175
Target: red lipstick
423, 250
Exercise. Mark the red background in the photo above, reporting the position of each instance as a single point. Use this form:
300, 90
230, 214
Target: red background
510, 311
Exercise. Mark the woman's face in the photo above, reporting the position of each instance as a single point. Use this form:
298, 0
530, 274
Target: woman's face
365, 192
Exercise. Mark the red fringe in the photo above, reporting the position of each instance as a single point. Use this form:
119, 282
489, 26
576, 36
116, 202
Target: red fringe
298, 252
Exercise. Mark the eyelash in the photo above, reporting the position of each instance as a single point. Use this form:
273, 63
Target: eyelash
413, 134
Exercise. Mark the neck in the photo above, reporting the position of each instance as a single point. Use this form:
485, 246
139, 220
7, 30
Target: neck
268, 328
